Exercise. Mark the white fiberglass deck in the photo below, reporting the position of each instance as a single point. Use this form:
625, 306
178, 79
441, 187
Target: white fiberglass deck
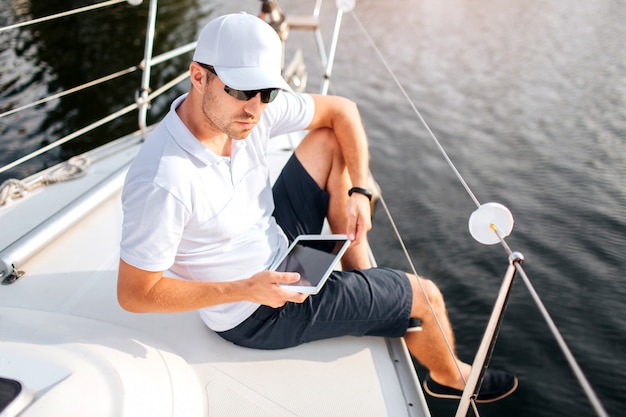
64, 336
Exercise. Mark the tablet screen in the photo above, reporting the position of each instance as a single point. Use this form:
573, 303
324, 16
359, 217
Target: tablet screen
314, 259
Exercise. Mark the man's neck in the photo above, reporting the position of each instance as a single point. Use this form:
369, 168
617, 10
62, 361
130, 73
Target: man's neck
216, 141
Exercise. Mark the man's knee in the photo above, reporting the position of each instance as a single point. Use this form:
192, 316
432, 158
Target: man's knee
425, 288
317, 153
320, 141
322, 133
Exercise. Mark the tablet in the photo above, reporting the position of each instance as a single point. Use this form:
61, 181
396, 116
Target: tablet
313, 257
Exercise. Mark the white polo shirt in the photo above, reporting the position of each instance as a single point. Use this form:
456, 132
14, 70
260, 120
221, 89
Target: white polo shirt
203, 217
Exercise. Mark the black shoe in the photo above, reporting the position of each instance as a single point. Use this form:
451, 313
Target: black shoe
496, 385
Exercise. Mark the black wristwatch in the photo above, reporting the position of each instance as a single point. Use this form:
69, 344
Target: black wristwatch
367, 193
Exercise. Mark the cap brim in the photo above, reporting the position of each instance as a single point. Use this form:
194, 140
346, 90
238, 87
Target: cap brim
251, 78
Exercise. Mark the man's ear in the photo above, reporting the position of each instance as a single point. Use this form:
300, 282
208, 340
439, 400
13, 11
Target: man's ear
197, 75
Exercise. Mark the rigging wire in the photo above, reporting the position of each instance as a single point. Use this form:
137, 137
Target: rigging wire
71, 90
62, 14
579, 374
382, 200
414, 271
94, 125
390, 217
417, 112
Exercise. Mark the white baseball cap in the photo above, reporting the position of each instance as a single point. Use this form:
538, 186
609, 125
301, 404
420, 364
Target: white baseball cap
244, 50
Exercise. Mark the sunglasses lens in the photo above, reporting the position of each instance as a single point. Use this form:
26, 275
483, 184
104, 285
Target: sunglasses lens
267, 95
239, 94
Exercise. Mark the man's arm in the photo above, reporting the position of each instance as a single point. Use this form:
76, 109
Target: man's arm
142, 291
341, 115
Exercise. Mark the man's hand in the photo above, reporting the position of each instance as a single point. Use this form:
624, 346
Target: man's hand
264, 288
359, 216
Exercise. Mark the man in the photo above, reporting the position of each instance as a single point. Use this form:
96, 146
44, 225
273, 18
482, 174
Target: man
202, 224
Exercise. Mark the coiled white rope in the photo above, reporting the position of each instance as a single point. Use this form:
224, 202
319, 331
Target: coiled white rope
13, 189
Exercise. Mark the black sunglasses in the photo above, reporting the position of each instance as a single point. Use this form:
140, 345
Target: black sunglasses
267, 94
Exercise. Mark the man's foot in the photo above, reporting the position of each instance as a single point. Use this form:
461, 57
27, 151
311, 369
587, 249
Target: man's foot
496, 385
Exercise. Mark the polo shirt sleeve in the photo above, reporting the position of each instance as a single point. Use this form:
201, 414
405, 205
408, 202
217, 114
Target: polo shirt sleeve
154, 221
290, 112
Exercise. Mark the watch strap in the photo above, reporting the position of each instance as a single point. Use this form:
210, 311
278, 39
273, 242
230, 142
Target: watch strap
367, 193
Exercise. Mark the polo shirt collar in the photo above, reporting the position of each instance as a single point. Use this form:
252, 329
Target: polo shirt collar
188, 142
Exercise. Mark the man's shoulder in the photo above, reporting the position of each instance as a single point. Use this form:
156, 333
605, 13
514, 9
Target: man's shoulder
290, 111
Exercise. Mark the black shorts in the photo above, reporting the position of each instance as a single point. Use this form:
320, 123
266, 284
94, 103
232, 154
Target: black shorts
375, 302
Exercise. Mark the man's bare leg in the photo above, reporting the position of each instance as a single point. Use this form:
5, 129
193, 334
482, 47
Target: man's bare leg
320, 155
429, 346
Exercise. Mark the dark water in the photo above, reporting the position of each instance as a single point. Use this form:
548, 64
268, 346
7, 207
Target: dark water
528, 99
